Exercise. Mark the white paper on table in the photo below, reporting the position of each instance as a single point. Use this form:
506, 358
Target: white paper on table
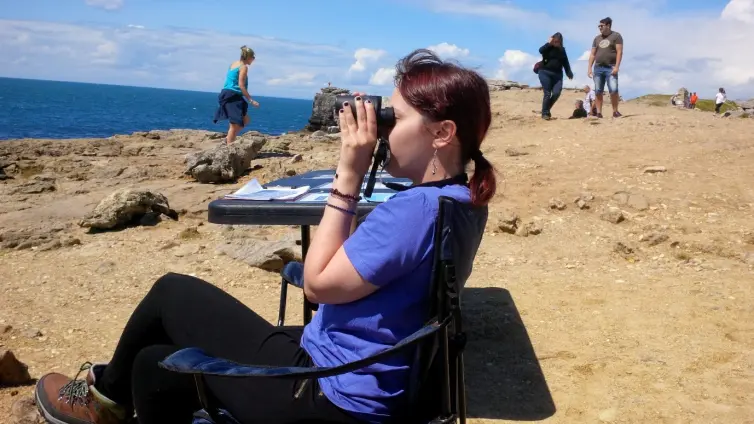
254, 191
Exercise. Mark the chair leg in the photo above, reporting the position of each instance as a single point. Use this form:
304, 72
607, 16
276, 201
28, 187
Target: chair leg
283, 301
461, 389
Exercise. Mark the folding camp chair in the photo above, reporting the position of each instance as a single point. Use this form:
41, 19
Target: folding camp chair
438, 370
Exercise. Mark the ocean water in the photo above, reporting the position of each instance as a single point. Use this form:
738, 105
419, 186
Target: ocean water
51, 109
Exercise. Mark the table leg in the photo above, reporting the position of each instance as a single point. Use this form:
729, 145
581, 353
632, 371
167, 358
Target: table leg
305, 239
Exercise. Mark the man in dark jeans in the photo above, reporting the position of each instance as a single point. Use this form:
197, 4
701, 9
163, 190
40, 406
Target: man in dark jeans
554, 60
606, 57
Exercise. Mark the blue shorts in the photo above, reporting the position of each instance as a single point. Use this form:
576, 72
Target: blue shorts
603, 74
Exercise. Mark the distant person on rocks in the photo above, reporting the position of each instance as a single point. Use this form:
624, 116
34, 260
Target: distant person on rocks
606, 57
232, 105
590, 104
693, 99
554, 61
720, 99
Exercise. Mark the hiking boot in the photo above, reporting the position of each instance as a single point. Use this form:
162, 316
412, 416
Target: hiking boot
617, 114
64, 401
599, 115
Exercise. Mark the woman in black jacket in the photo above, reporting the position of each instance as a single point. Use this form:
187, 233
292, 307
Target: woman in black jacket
554, 60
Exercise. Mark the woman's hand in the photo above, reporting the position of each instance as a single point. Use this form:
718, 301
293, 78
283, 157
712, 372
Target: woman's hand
254, 103
358, 136
549, 40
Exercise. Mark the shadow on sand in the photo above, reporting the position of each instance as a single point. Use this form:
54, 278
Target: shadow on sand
503, 376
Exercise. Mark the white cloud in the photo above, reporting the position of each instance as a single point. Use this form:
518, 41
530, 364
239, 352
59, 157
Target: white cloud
739, 10
513, 63
516, 59
365, 58
383, 76
136, 26
105, 53
655, 60
299, 78
448, 51
106, 4
501, 10
585, 55
191, 59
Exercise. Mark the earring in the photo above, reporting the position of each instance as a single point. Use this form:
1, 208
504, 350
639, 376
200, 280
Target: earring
434, 163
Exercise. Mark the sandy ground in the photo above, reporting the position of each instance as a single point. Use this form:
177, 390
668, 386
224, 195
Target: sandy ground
649, 320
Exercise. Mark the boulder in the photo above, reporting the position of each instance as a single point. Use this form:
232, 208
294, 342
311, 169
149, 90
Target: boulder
747, 105
740, 113
36, 185
27, 238
25, 411
126, 206
681, 98
501, 85
320, 136
322, 117
224, 163
12, 371
262, 254
3, 165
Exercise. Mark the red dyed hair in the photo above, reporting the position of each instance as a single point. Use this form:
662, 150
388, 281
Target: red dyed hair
441, 91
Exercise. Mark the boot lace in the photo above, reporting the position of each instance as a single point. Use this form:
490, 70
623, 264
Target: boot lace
76, 391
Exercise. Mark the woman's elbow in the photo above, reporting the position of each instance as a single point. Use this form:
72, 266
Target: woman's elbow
311, 294
314, 289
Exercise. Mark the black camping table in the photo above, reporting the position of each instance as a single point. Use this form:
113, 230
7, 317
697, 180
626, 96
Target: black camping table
305, 211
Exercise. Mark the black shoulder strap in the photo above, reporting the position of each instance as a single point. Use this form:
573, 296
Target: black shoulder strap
460, 179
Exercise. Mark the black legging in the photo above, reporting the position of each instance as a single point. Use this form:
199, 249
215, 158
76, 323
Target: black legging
181, 311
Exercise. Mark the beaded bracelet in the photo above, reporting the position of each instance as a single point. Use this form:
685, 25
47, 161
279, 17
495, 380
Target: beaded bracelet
347, 197
344, 210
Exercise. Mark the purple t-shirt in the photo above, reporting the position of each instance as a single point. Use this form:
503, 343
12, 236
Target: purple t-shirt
391, 249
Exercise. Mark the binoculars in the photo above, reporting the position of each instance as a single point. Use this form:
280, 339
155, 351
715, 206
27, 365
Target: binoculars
385, 115
385, 122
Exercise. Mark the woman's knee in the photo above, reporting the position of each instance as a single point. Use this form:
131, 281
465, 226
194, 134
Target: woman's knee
173, 283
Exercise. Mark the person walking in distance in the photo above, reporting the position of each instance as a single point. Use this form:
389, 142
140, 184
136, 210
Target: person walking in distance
554, 61
720, 99
233, 101
604, 64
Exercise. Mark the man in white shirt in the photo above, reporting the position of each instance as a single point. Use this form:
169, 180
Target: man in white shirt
720, 99
589, 98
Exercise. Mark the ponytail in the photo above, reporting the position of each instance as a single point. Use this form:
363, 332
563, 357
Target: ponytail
247, 53
483, 183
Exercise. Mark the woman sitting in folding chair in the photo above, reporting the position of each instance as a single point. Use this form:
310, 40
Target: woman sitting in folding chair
371, 285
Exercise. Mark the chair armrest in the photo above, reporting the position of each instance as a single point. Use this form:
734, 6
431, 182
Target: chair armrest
293, 273
196, 361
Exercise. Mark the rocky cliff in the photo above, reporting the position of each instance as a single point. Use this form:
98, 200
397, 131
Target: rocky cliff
322, 117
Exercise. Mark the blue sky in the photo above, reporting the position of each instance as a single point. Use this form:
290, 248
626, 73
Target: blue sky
302, 45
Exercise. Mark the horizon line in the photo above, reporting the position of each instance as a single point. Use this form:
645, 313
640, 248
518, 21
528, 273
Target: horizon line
144, 86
